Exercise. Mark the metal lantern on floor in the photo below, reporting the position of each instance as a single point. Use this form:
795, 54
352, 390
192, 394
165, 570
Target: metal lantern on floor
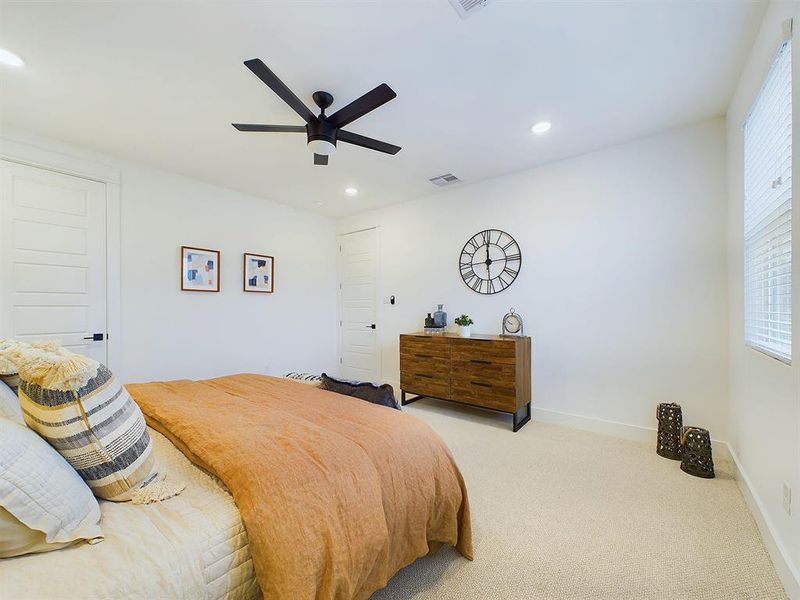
670, 423
697, 459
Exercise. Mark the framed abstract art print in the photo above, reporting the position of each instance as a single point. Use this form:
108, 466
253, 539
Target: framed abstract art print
199, 269
259, 273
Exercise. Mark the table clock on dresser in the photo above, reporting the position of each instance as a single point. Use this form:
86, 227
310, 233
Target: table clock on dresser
490, 371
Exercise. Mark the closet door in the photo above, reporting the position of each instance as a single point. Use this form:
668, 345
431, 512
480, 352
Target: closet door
358, 306
53, 229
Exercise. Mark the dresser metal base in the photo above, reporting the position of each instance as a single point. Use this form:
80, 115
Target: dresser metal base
520, 417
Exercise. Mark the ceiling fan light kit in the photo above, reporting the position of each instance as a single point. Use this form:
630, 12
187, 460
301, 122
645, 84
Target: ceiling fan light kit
322, 131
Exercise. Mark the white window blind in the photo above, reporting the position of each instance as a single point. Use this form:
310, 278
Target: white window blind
768, 213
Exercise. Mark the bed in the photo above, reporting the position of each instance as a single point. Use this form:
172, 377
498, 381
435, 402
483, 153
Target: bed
292, 492
192, 546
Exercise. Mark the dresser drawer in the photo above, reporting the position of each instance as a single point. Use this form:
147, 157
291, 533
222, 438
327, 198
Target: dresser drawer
494, 351
424, 347
484, 394
484, 371
426, 385
435, 366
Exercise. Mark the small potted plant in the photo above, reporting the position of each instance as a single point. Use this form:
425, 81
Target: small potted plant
464, 325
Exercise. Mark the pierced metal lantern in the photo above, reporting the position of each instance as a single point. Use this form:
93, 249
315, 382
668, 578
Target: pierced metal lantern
697, 459
670, 423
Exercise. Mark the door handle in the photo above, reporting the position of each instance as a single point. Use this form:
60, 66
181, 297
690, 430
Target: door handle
95, 337
371, 326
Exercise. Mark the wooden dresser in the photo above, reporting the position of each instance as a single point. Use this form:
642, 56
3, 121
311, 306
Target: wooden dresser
489, 371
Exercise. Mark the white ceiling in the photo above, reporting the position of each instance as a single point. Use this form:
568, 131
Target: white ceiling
160, 83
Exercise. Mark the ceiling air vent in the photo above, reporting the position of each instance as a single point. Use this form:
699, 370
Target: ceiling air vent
465, 8
445, 179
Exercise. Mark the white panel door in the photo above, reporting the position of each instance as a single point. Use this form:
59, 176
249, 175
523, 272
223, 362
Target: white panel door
53, 229
358, 265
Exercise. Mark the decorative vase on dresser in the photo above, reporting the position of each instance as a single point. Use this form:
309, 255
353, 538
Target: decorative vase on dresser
440, 317
489, 371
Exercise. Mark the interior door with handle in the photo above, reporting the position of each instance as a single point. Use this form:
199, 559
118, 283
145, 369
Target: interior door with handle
53, 230
358, 310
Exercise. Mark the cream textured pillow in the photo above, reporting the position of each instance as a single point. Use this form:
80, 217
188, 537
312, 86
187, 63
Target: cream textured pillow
82, 410
8, 366
39, 490
10, 353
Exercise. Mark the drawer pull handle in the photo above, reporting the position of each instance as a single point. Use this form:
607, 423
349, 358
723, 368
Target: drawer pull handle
488, 385
425, 355
423, 375
481, 362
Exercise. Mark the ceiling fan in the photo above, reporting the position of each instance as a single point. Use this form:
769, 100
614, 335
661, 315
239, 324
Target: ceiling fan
322, 131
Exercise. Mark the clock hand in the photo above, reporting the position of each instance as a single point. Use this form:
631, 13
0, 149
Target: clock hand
488, 263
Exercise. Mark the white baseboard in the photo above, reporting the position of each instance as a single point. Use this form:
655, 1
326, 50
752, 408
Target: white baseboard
615, 428
628, 431
784, 567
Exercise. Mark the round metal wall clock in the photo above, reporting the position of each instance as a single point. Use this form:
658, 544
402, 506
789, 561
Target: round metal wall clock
490, 261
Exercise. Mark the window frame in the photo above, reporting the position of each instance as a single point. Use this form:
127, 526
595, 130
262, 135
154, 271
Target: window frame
753, 236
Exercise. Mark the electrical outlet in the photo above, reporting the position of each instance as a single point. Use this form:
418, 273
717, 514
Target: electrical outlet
787, 498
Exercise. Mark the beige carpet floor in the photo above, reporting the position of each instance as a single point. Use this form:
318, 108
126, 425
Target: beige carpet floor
559, 513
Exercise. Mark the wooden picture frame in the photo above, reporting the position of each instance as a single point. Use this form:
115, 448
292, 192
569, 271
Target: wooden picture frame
200, 269
258, 273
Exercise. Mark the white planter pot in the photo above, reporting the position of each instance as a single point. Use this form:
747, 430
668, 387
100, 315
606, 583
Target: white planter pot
465, 330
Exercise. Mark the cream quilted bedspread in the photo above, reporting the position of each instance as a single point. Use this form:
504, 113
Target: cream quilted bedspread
193, 546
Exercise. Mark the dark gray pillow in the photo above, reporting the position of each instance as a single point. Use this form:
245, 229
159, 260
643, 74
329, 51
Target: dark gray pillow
376, 394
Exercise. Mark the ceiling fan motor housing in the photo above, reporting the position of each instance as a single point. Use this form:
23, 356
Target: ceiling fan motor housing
324, 134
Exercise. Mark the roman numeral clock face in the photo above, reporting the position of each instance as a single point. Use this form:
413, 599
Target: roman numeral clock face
490, 261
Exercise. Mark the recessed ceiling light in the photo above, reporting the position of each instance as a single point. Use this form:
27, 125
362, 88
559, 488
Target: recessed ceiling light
10, 59
351, 191
541, 127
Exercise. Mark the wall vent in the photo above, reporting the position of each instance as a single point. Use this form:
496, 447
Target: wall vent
445, 179
466, 8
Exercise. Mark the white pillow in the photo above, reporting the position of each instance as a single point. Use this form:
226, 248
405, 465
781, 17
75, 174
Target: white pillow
42, 491
18, 539
9, 405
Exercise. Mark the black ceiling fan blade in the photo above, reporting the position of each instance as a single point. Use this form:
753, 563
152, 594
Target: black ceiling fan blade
270, 128
262, 71
361, 106
365, 142
320, 159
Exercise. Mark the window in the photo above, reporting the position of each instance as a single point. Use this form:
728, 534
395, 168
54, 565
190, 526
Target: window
768, 213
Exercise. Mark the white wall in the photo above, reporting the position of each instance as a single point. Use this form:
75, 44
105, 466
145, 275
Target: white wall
173, 334
623, 284
166, 333
764, 402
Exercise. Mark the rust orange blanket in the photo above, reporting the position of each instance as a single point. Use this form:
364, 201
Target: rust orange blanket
336, 494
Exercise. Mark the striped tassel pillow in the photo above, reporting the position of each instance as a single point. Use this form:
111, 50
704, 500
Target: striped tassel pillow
306, 378
83, 411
